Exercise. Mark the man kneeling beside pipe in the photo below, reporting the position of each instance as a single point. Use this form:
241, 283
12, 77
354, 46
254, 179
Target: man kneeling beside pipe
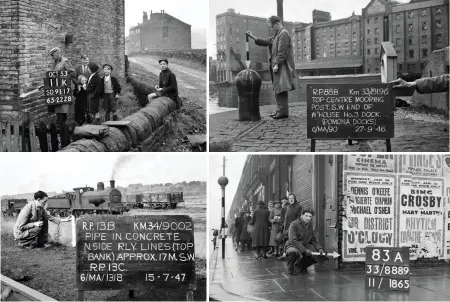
301, 243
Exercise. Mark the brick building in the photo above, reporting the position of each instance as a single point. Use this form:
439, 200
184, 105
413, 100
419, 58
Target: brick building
159, 31
336, 187
29, 29
230, 32
353, 44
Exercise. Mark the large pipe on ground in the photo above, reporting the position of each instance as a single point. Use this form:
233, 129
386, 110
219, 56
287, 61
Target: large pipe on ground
141, 125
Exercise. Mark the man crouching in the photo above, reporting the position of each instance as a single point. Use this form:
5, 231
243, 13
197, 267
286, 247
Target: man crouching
301, 243
31, 228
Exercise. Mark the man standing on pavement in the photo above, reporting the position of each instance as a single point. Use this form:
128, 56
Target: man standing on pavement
301, 243
281, 64
31, 228
293, 212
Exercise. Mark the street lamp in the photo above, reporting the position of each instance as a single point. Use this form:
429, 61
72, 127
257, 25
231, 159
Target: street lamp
223, 181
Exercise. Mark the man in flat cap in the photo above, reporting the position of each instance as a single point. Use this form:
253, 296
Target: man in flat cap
60, 63
167, 83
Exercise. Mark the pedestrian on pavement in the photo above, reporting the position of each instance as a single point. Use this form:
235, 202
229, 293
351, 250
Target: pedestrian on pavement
109, 88
276, 232
260, 238
270, 208
214, 240
281, 64
239, 223
425, 85
302, 242
31, 227
245, 235
293, 211
167, 86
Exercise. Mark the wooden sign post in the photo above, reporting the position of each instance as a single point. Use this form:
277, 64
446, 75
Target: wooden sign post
135, 252
57, 88
350, 111
387, 269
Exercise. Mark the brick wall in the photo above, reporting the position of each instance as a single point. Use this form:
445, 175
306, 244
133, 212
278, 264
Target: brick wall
438, 65
9, 49
37, 26
302, 179
178, 33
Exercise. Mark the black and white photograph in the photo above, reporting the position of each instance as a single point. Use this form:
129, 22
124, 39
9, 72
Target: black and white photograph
357, 227
329, 76
103, 76
114, 227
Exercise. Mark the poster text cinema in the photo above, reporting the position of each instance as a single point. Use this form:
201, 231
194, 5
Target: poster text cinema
397, 200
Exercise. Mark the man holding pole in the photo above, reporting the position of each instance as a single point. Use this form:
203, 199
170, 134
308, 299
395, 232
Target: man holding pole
281, 64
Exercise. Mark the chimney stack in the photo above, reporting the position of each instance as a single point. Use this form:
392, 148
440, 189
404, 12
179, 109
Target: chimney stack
100, 186
112, 182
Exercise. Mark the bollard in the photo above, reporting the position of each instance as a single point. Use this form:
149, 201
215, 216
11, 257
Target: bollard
248, 84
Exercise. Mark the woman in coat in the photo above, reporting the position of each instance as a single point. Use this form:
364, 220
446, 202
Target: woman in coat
293, 212
245, 236
238, 225
260, 221
276, 218
281, 64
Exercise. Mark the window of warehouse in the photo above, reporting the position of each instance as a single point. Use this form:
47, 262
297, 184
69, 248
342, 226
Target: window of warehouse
165, 32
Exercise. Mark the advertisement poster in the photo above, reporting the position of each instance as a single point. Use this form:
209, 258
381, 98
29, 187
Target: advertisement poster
369, 220
378, 163
447, 218
421, 165
421, 216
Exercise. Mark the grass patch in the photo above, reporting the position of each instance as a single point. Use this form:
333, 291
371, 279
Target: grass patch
223, 146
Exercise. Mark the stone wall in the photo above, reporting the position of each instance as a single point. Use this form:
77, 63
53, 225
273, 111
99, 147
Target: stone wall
31, 28
438, 65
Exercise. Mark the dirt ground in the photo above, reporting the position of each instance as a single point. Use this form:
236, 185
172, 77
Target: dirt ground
52, 271
191, 118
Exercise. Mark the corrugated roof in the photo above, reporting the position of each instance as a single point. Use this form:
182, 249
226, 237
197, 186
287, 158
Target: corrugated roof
345, 62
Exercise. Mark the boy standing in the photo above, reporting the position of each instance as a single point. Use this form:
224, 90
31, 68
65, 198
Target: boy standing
80, 95
109, 88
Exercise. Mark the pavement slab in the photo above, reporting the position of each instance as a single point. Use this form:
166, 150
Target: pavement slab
289, 135
240, 275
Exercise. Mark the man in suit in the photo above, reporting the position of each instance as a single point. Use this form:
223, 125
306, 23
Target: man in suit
83, 69
31, 228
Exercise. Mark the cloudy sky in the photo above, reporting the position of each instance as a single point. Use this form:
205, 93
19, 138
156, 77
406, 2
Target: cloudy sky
25, 173
193, 12
294, 11
233, 169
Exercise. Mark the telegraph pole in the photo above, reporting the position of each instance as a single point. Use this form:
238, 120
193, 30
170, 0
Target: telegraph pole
280, 9
223, 181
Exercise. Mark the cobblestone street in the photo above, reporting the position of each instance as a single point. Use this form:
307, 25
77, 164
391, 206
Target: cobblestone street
414, 132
